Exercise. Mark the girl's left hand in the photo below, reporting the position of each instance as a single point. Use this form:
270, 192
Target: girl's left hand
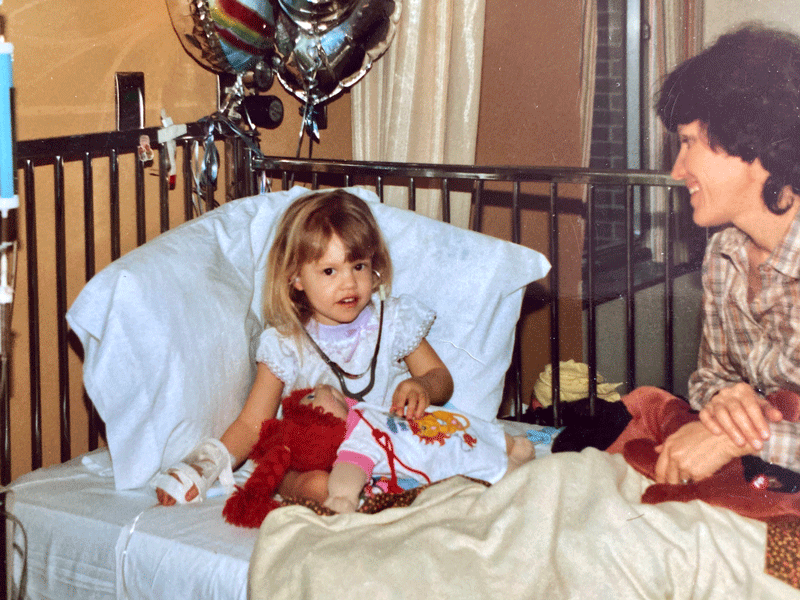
410, 399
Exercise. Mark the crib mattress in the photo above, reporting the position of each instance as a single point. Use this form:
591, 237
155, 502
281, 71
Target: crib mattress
82, 532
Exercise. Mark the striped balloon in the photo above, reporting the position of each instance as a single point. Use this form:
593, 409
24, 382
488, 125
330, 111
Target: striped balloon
245, 28
228, 36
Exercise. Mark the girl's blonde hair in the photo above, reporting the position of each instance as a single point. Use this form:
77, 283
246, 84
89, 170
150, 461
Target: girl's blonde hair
302, 237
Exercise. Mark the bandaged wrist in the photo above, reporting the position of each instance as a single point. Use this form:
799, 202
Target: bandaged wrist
207, 462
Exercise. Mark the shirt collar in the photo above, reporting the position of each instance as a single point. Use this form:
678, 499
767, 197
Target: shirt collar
785, 258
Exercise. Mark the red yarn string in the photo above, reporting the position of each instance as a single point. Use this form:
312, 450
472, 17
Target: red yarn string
384, 441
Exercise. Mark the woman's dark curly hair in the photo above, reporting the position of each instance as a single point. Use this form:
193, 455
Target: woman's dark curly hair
745, 91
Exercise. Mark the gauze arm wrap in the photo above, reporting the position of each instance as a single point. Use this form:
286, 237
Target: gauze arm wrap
201, 467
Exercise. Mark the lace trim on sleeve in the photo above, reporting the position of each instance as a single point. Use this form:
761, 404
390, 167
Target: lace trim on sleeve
412, 321
278, 353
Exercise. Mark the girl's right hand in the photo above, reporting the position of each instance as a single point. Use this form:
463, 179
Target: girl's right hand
164, 499
410, 399
742, 414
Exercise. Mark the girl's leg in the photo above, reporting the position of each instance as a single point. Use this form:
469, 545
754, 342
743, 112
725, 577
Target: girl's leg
520, 450
310, 484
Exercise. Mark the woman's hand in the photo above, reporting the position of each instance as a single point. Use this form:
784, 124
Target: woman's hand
741, 413
694, 453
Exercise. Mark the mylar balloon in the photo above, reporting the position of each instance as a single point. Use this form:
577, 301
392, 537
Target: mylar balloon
226, 36
325, 46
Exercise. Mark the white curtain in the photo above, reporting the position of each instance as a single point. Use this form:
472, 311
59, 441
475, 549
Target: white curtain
676, 34
419, 102
588, 67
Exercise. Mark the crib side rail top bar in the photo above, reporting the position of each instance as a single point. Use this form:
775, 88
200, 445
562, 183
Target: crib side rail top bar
577, 175
71, 146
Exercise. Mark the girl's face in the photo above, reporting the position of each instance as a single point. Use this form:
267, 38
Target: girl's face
724, 189
337, 289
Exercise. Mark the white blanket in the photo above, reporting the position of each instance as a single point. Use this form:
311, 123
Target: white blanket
566, 526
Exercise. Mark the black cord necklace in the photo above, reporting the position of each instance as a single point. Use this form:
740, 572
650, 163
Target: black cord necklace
341, 374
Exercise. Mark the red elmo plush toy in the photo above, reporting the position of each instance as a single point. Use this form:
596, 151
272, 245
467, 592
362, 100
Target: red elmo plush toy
305, 439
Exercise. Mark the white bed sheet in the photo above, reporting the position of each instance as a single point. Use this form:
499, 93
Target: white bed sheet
82, 532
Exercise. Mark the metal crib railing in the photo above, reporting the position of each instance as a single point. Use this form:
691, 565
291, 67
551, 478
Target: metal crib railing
448, 177
116, 153
245, 176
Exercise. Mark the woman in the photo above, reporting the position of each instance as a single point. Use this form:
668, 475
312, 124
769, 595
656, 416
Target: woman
736, 109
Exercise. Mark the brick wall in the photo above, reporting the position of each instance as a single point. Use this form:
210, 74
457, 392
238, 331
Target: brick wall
608, 131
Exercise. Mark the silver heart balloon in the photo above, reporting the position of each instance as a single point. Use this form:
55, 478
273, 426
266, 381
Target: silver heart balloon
325, 46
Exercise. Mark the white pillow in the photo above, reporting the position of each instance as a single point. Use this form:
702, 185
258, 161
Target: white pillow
169, 330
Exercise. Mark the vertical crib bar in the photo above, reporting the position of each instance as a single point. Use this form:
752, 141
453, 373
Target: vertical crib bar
61, 308
630, 303
90, 268
141, 227
515, 214
315, 181
591, 333
250, 178
412, 195
188, 184
257, 176
555, 350
88, 215
113, 177
34, 357
163, 188
516, 367
207, 191
477, 220
379, 187
445, 200
668, 297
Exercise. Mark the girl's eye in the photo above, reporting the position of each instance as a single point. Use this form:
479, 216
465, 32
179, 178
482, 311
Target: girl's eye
328, 271
360, 267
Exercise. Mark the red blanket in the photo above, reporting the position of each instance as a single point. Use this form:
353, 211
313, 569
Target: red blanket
655, 415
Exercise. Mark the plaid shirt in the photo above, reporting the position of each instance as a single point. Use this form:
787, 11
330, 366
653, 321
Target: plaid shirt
756, 342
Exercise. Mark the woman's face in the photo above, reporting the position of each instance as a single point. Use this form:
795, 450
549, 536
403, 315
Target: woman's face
724, 189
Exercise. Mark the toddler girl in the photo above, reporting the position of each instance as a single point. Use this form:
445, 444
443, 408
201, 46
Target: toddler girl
330, 322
